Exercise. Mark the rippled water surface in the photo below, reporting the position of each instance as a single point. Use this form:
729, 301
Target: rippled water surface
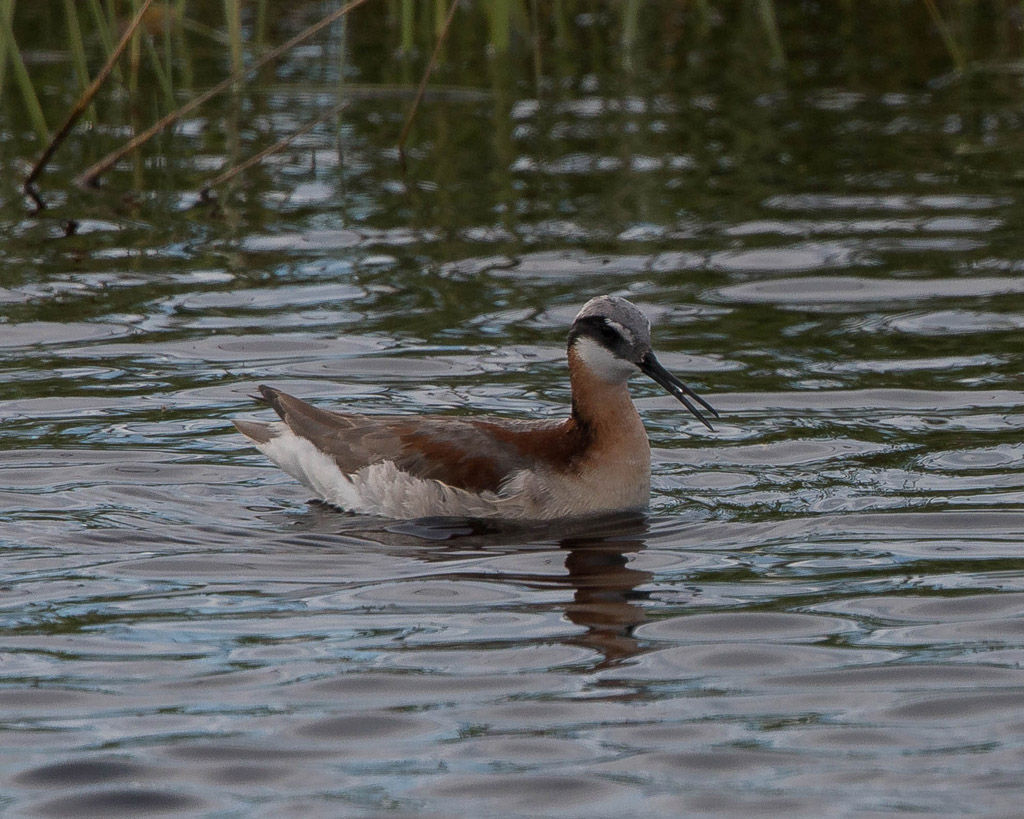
823, 613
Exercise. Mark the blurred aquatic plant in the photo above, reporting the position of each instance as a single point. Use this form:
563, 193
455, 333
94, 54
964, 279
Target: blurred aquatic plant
173, 36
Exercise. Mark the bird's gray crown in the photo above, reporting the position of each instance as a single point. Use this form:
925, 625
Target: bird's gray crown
631, 336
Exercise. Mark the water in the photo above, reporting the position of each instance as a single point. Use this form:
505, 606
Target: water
822, 614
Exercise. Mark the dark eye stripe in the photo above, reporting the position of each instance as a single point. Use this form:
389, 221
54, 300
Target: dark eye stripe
599, 328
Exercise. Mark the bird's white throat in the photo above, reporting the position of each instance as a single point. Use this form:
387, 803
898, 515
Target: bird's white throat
602, 362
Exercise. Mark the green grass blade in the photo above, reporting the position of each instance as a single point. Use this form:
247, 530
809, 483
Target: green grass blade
22, 79
500, 24
630, 30
946, 32
408, 26
106, 34
233, 17
7, 12
185, 54
162, 77
766, 11
77, 44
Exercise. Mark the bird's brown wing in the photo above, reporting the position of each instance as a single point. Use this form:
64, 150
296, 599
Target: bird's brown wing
464, 453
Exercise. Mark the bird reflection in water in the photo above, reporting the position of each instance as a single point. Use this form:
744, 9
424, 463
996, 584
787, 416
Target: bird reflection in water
607, 600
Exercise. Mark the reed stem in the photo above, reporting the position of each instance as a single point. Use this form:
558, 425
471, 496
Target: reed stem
423, 82
80, 107
91, 174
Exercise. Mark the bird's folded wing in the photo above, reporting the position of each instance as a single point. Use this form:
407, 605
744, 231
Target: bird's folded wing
463, 453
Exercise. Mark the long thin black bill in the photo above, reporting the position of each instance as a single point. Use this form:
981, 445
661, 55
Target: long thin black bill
650, 366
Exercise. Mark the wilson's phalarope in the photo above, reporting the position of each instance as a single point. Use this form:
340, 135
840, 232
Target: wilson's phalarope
596, 461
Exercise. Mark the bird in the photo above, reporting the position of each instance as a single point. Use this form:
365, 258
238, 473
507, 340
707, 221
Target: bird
597, 461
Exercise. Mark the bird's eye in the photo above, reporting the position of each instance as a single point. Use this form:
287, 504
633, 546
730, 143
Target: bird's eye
607, 333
